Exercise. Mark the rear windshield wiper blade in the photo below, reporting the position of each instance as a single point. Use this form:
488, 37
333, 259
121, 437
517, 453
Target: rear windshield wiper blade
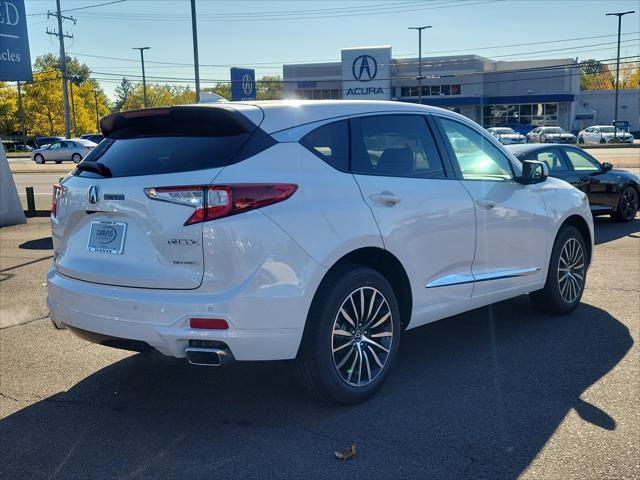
95, 167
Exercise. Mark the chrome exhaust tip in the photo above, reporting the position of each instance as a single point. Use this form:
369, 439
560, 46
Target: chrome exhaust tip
209, 357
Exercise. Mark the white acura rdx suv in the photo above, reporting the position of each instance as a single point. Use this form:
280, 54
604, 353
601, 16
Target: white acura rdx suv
315, 231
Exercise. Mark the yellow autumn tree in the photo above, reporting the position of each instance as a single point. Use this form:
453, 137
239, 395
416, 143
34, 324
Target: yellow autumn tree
8, 108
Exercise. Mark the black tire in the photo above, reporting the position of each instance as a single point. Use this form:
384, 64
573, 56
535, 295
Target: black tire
76, 157
628, 204
39, 159
602, 140
317, 364
580, 140
562, 294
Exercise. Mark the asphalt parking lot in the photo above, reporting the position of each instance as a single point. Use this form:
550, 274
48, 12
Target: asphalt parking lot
500, 392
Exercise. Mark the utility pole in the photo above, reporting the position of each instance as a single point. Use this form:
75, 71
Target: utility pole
73, 109
615, 111
63, 63
21, 111
144, 80
419, 29
194, 28
95, 98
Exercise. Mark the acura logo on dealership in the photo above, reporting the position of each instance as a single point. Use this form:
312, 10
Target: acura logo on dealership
93, 194
364, 68
247, 84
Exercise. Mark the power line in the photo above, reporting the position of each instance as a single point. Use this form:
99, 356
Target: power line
293, 16
78, 8
574, 66
227, 82
256, 65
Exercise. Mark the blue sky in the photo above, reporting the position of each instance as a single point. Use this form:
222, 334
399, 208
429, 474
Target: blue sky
264, 33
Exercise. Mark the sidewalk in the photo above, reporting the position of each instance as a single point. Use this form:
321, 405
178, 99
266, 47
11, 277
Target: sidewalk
25, 256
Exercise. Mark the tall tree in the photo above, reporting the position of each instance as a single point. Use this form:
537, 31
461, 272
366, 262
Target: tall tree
596, 76
80, 72
269, 87
123, 91
9, 122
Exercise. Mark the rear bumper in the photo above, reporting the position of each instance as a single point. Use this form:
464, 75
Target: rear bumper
134, 317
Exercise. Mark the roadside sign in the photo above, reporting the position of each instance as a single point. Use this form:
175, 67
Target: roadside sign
15, 60
243, 84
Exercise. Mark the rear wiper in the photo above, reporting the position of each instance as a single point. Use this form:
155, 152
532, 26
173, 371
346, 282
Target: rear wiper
95, 167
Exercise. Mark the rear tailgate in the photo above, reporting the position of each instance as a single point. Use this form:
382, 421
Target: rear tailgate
107, 229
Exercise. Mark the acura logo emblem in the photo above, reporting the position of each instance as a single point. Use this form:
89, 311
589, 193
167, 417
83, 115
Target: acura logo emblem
364, 68
93, 194
247, 84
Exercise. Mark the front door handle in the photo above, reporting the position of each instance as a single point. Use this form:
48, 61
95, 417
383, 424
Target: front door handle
385, 198
488, 204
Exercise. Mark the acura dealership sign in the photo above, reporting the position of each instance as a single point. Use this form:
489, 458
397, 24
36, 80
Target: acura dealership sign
243, 84
366, 73
15, 61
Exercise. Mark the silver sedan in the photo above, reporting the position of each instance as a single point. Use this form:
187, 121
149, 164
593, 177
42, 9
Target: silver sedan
74, 149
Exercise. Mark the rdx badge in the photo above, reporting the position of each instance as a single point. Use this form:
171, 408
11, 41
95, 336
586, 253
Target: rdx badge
182, 241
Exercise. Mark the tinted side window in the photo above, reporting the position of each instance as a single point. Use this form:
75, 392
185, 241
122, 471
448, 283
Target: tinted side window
553, 158
582, 162
477, 156
331, 143
394, 146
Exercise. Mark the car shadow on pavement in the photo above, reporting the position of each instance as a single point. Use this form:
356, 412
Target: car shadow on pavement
474, 396
44, 243
608, 230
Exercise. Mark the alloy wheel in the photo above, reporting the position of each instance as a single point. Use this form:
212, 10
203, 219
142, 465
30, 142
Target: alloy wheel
361, 337
571, 270
629, 203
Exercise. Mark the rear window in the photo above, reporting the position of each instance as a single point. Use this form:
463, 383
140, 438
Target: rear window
174, 140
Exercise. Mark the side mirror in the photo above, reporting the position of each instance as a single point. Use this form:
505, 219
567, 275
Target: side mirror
533, 172
606, 166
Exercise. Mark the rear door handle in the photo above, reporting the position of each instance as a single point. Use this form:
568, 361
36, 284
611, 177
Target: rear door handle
488, 204
385, 198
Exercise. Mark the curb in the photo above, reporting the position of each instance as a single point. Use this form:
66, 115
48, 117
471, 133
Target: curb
37, 213
608, 145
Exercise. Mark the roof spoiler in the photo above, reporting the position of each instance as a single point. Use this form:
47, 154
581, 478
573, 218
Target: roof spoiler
187, 121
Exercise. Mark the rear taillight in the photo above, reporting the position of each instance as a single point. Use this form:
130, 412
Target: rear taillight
217, 201
58, 193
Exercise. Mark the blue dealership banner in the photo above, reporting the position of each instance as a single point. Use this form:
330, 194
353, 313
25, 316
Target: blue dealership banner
15, 60
243, 84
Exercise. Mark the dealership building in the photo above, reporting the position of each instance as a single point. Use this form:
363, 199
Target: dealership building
519, 94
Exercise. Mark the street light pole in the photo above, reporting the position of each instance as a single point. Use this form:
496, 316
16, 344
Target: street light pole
419, 29
144, 80
194, 29
615, 112
95, 98
21, 111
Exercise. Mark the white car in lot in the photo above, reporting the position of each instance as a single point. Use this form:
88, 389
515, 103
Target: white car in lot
315, 231
507, 136
74, 149
603, 134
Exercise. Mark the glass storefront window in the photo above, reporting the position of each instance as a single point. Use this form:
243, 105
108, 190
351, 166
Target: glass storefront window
428, 90
520, 115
